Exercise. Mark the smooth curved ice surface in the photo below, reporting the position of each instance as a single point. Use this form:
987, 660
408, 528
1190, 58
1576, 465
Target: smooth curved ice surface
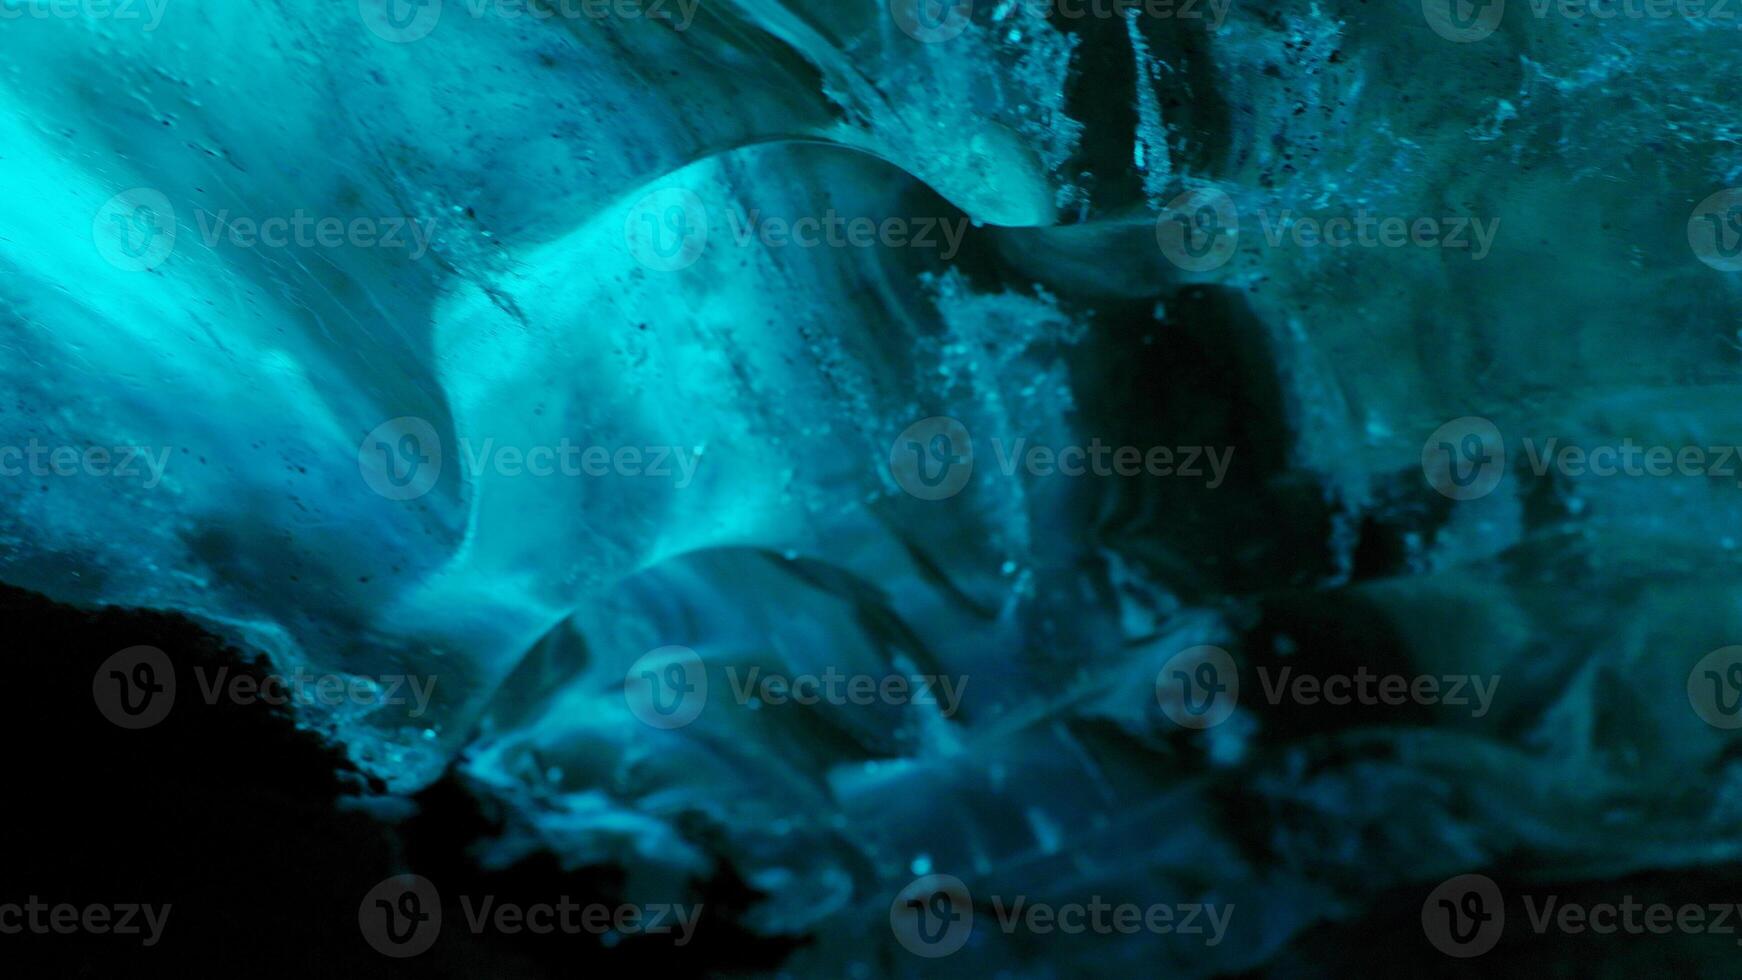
546, 178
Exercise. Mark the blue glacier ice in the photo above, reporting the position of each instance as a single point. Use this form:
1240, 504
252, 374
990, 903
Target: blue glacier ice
553, 253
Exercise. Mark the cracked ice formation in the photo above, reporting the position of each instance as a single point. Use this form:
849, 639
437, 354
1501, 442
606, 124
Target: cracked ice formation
564, 243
